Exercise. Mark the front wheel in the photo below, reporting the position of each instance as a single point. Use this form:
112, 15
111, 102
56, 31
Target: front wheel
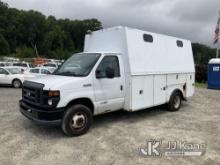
77, 120
16, 83
175, 102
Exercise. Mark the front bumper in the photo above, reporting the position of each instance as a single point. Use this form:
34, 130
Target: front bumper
50, 117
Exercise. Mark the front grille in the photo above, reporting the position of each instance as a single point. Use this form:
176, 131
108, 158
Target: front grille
32, 93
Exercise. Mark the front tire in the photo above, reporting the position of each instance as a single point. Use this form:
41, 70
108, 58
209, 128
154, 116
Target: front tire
77, 120
16, 83
175, 101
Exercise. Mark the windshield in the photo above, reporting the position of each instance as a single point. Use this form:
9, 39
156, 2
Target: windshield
14, 70
79, 65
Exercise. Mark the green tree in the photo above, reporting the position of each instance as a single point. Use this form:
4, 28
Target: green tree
202, 53
31, 29
24, 52
59, 38
4, 46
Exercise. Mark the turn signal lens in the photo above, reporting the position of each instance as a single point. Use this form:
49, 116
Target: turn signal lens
53, 93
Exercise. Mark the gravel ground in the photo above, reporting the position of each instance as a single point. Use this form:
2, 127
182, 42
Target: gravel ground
114, 137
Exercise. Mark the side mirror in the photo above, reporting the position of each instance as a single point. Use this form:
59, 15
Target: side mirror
98, 74
110, 73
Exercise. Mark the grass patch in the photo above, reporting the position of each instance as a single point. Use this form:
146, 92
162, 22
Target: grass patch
201, 85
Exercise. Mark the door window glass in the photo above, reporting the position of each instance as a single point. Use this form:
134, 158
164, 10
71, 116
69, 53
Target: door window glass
111, 62
2, 71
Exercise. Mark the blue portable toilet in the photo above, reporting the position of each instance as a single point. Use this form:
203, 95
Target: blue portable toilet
214, 73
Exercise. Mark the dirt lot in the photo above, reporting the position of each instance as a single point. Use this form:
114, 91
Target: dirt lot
114, 138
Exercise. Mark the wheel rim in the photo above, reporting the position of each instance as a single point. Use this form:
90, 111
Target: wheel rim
176, 102
16, 84
79, 120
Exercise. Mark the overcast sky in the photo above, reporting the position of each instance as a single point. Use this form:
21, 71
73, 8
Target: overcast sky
189, 19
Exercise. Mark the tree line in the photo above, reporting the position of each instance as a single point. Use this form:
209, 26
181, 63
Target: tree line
202, 53
21, 30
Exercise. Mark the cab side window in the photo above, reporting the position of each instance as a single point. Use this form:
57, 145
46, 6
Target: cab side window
109, 62
2, 71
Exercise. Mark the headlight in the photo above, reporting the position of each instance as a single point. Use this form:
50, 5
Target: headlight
51, 97
50, 102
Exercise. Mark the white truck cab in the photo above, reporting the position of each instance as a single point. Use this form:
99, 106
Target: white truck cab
120, 68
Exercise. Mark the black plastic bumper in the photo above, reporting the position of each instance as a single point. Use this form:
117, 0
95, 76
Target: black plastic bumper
50, 117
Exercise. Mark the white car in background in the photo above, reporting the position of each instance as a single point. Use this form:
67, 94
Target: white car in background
39, 71
50, 65
4, 64
12, 76
24, 66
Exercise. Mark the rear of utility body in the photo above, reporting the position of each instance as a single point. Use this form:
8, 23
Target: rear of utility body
152, 67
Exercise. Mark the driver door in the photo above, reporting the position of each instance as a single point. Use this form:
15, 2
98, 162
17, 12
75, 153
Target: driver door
109, 92
4, 76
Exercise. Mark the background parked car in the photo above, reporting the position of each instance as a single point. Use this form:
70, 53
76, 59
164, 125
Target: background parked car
4, 64
39, 71
24, 66
12, 76
50, 65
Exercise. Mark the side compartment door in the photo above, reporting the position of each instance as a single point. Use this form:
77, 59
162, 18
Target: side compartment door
142, 92
109, 92
190, 88
160, 84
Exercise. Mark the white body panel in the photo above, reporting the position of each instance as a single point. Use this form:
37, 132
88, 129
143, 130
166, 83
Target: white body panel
142, 92
159, 89
108, 93
140, 57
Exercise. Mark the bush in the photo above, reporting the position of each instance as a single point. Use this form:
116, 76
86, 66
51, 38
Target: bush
201, 73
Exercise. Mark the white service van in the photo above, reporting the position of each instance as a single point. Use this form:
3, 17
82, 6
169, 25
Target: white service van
120, 68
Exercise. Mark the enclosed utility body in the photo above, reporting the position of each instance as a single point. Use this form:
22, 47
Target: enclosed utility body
120, 68
154, 65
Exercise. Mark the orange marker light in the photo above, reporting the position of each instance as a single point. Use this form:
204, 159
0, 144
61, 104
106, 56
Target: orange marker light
53, 93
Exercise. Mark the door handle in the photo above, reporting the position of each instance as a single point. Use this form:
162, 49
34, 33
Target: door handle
121, 87
87, 85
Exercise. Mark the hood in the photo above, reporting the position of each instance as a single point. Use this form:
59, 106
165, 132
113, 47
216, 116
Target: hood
54, 82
